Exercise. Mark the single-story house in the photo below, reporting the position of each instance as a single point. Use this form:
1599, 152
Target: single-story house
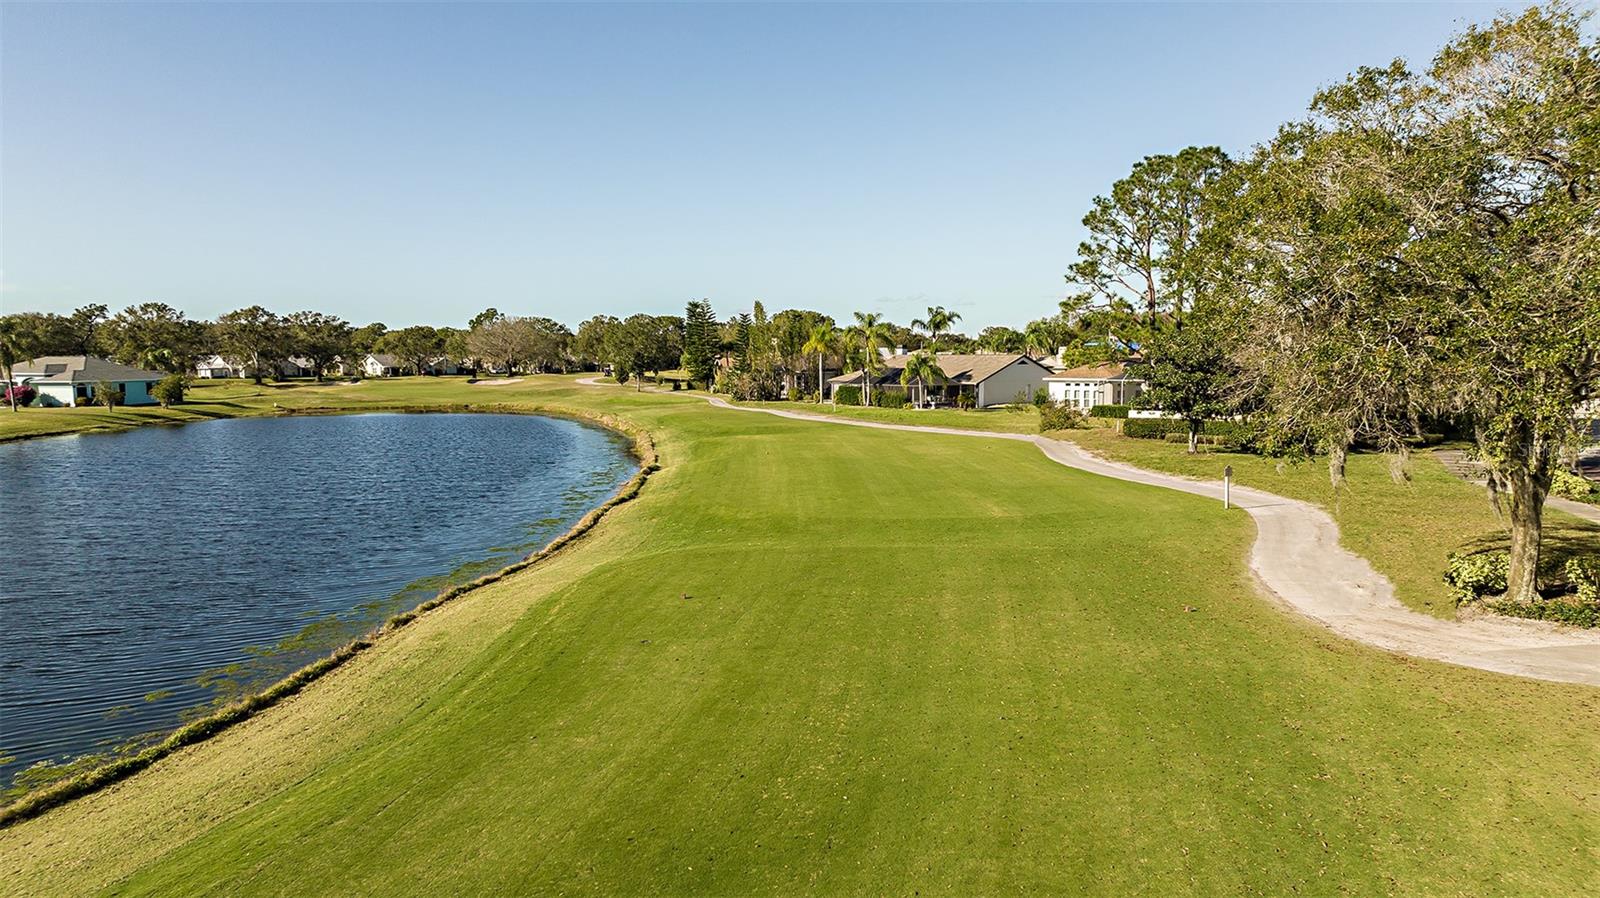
297, 366
384, 365
214, 366
70, 380
989, 378
1087, 386
443, 365
380, 365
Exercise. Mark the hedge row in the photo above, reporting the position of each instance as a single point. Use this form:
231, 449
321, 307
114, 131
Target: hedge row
880, 398
1109, 411
1158, 428
46, 797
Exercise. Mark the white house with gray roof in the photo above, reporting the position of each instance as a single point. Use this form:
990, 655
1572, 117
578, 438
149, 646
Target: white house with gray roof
990, 379
71, 380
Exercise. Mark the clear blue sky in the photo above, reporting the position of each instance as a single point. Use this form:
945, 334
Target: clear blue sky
416, 163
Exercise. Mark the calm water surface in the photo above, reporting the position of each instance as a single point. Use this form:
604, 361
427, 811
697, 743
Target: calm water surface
152, 572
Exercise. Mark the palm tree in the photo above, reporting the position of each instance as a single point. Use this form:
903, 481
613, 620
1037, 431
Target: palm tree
167, 360
16, 345
1038, 336
871, 330
938, 321
819, 343
923, 368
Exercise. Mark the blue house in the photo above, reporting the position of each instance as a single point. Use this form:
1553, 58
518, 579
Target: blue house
70, 380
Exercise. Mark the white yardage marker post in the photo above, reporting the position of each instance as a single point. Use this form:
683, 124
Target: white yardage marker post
1227, 487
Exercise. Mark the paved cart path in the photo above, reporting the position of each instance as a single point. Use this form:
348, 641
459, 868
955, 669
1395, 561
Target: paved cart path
1298, 557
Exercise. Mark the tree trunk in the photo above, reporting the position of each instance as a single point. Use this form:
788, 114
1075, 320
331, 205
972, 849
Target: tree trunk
1338, 455
11, 387
1194, 437
819, 379
1526, 491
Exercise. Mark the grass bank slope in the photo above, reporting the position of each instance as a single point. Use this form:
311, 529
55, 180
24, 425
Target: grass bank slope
812, 658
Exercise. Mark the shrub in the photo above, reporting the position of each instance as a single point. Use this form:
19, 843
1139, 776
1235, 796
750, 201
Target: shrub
1152, 428
1583, 576
1059, 417
1475, 575
891, 399
169, 389
965, 400
1576, 614
1109, 411
677, 385
1158, 428
107, 394
1568, 485
1041, 397
23, 393
847, 395
754, 386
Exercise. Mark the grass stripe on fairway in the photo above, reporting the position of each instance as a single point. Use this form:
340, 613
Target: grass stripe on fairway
905, 663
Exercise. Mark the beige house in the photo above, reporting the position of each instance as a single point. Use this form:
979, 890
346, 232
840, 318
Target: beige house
989, 378
1087, 386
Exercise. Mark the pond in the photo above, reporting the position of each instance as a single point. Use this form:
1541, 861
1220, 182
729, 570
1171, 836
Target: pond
150, 574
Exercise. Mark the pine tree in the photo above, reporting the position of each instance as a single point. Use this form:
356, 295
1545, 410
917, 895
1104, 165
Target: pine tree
742, 327
699, 341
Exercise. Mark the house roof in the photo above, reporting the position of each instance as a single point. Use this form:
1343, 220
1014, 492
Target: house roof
1103, 371
384, 359
958, 368
79, 369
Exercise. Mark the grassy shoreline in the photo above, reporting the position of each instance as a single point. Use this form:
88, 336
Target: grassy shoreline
640, 446
857, 661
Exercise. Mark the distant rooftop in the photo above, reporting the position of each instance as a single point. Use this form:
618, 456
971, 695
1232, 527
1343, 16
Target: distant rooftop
79, 369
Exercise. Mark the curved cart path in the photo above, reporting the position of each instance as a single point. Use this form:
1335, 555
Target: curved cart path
1298, 557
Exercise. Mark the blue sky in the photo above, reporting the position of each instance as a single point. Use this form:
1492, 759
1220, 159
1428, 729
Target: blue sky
416, 163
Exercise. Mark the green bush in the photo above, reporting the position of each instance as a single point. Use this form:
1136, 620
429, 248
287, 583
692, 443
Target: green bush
107, 394
1475, 575
1583, 577
1568, 485
1041, 397
1203, 440
965, 400
847, 395
1152, 428
1059, 417
891, 399
1109, 411
1158, 428
1561, 611
1479, 575
169, 389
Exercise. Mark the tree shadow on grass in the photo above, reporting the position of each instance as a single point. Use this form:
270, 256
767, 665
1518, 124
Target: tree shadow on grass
1562, 541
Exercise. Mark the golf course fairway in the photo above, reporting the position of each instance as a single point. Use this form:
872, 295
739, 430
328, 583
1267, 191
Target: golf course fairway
833, 660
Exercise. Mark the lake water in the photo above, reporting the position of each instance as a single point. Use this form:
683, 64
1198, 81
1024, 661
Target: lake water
150, 573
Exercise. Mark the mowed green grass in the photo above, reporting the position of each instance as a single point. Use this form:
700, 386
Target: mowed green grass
1406, 525
840, 661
